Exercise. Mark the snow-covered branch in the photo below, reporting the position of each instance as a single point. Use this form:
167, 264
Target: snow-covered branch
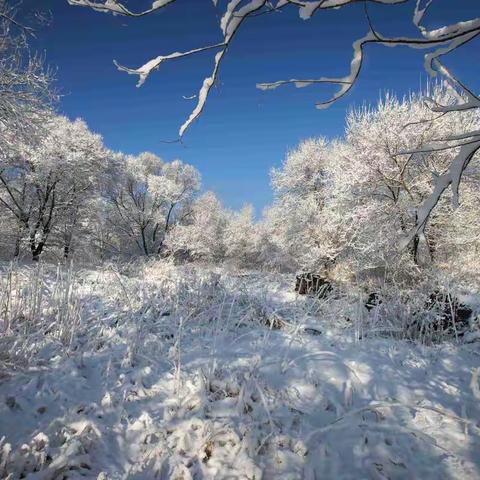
451, 178
119, 8
144, 71
230, 22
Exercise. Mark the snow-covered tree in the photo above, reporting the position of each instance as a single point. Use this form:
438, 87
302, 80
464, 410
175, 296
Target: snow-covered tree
383, 188
299, 189
25, 83
147, 197
241, 239
26, 96
202, 233
88, 162
342, 205
45, 186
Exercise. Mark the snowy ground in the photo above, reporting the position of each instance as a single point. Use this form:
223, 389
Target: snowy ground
177, 373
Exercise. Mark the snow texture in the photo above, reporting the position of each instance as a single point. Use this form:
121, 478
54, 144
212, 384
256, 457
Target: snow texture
181, 373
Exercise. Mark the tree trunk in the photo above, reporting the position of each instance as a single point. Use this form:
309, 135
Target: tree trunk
67, 245
66, 250
415, 244
37, 251
144, 242
18, 241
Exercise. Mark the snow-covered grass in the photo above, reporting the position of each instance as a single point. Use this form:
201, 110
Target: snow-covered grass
156, 371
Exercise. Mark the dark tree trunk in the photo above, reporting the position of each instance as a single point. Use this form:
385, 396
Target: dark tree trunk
144, 242
16, 251
66, 250
67, 244
415, 244
432, 246
37, 251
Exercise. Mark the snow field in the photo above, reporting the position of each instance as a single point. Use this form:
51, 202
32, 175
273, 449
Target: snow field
177, 373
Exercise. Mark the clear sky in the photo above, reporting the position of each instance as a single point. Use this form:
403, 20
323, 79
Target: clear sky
243, 131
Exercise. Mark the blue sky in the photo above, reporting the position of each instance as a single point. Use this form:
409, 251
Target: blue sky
243, 131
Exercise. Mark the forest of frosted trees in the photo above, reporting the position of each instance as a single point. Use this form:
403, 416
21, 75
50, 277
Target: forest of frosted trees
340, 206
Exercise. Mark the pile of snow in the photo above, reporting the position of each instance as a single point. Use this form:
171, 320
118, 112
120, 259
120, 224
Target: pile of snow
181, 373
